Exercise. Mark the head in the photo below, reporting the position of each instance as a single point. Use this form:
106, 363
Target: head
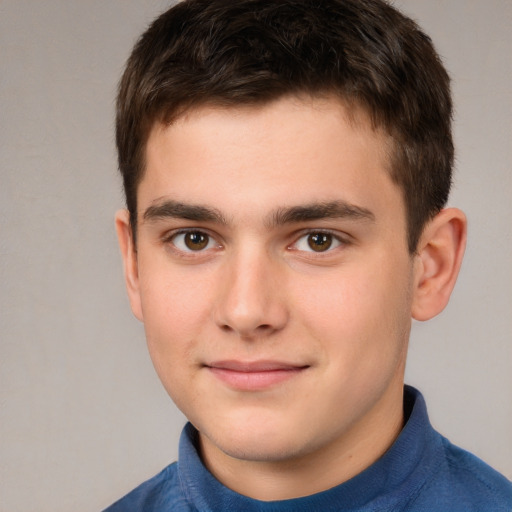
285, 166
252, 52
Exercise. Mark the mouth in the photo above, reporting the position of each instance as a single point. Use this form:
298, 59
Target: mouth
254, 375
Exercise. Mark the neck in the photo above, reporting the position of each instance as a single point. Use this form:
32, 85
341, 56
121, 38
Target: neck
310, 473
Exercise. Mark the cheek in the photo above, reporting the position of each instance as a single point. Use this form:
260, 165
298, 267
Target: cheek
363, 310
173, 297
176, 308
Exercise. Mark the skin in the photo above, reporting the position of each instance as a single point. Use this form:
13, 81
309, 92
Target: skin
288, 360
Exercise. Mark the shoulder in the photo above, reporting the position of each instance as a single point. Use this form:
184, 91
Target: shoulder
466, 483
469, 468
158, 493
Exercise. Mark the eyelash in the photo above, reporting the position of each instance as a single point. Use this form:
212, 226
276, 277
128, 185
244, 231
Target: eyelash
170, 238
337, 240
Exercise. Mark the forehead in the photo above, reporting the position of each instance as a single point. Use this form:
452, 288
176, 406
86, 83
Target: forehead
291, 151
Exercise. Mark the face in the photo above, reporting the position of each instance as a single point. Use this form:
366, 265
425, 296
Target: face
273, 277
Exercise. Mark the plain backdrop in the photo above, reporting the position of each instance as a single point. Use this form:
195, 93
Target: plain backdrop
83, 418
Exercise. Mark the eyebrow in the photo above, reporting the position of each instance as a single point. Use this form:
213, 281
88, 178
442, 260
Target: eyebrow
317, 211
177, 210
286, 215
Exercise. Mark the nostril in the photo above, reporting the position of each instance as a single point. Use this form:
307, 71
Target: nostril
262, 329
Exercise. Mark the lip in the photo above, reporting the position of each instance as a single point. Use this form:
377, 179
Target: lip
254, 375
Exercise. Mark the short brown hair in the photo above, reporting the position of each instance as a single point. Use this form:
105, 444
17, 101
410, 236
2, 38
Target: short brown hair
230, 53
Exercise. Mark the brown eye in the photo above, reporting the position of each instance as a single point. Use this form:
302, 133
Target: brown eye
192, 241
319, 242
196, 240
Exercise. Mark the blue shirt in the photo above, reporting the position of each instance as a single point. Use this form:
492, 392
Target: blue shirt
422, 471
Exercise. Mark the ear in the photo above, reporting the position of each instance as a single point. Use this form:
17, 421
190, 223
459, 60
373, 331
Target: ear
438, 260
129, 255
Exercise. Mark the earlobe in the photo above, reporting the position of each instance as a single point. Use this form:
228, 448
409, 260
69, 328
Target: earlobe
129, 255
438, 260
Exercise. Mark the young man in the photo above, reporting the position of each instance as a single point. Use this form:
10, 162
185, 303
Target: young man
286, 164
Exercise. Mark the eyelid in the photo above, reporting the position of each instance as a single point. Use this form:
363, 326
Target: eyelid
169, 236
341, 238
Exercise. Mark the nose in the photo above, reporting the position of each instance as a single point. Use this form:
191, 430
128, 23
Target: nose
250, 301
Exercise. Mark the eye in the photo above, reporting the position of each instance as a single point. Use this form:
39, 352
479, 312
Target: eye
317, 241
192, 241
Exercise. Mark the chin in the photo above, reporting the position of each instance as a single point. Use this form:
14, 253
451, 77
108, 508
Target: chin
260, 449
261, 441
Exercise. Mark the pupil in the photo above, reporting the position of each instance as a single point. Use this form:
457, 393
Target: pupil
196, 241
319, 241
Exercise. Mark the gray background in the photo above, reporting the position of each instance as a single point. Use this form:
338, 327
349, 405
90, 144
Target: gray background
83, 418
